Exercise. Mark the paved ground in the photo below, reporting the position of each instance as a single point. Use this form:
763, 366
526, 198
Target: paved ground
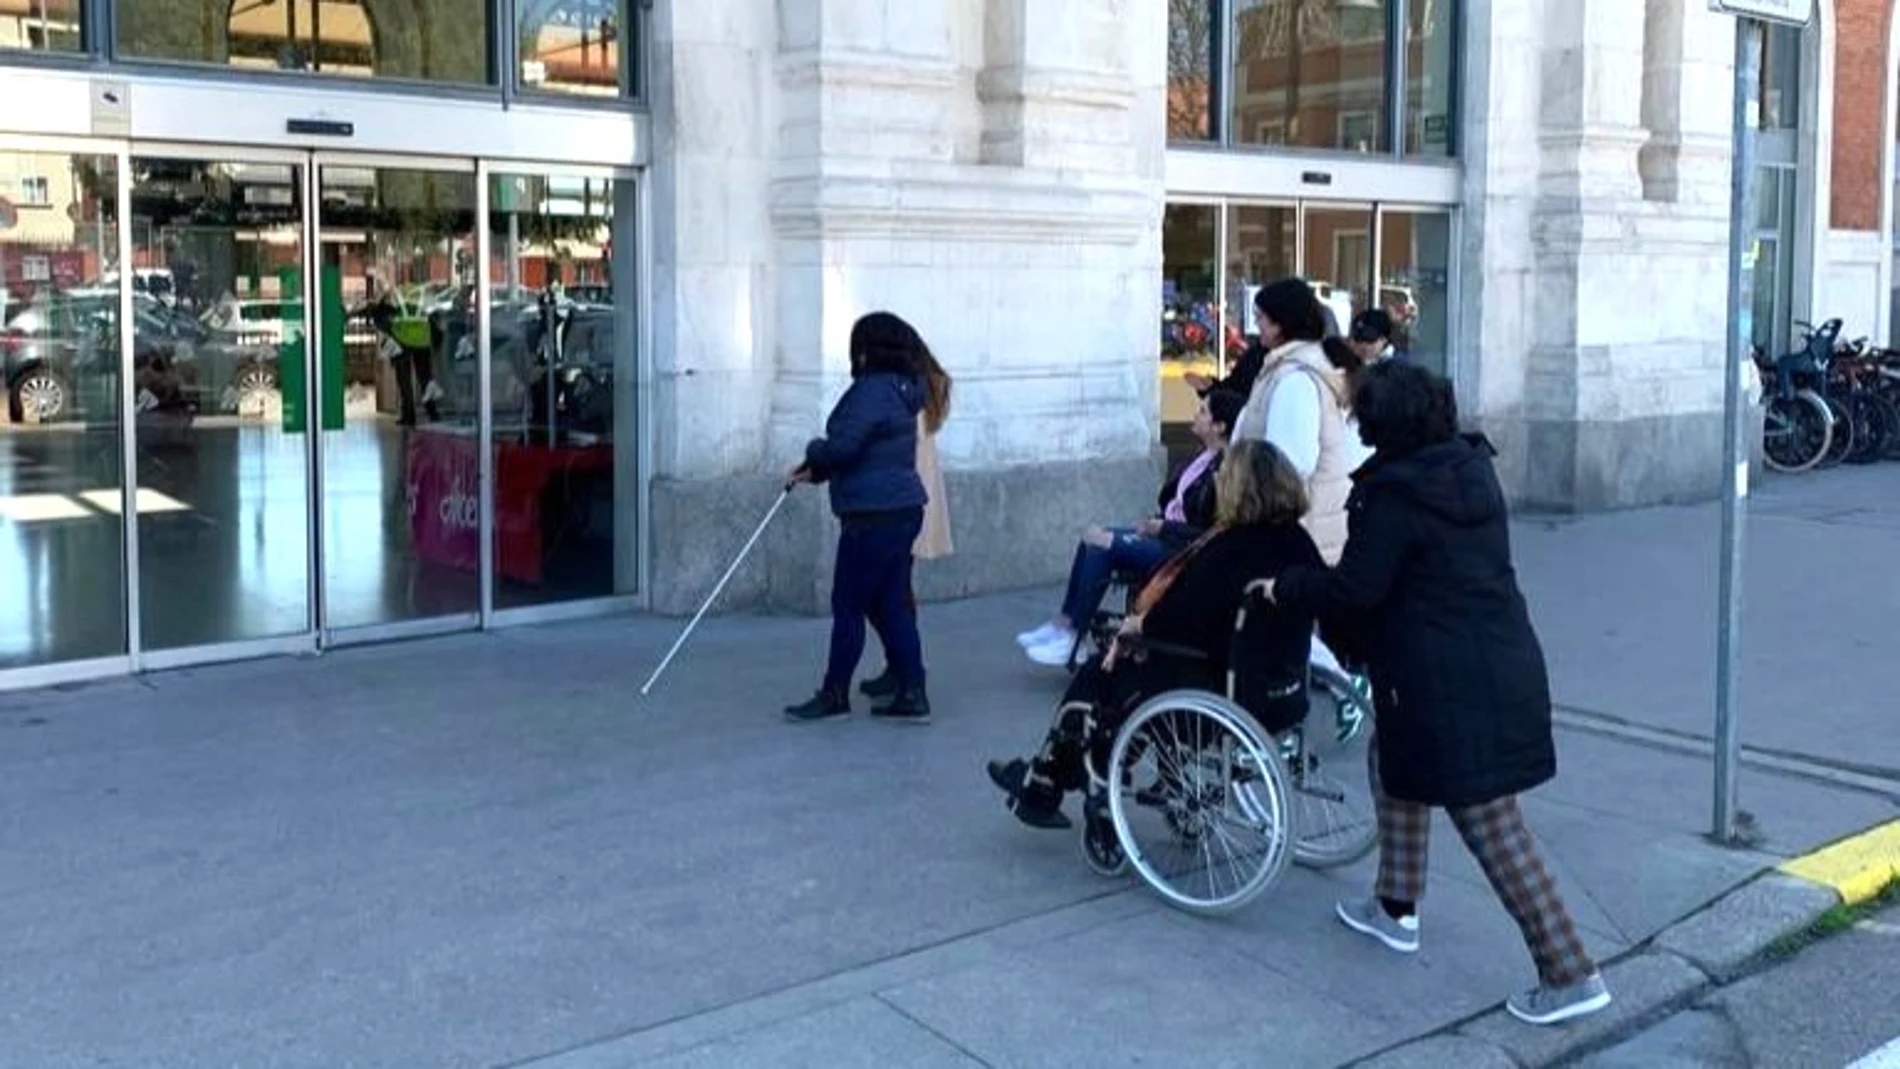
1830, 1006
487, 851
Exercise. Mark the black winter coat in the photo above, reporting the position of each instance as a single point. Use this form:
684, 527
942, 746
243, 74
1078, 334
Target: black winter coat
869, 451
1199, 608
1427, 589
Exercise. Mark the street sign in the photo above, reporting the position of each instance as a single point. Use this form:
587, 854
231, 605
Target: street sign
9, 215
1785, 12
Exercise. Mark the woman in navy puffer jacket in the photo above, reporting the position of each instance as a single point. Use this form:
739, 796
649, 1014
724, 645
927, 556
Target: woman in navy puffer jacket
868, 456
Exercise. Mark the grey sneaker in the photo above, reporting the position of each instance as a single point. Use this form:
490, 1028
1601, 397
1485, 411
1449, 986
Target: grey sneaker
1367, 917
1555, 1005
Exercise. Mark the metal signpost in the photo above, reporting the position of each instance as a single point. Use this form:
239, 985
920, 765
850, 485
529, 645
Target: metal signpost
1752, 19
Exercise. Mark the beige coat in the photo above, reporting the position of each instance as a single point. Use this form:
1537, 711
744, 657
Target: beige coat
934, 540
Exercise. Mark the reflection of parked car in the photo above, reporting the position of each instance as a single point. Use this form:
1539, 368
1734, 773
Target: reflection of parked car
256, 322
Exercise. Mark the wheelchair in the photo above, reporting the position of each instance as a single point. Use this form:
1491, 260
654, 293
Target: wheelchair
1208, 797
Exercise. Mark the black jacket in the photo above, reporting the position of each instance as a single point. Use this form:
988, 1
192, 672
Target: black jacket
1427, 587
1199, 609
1241, 376
869, 451
1198, 503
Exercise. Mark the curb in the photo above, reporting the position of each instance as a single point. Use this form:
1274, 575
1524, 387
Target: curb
1714, 946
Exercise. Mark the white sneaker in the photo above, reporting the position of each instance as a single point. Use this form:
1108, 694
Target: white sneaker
1038, 636
1055, 652
431, 393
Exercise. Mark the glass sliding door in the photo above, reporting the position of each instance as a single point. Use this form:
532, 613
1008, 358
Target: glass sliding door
397, 372
1336, 252
222, 410
563, 387
1415, 283
62, 545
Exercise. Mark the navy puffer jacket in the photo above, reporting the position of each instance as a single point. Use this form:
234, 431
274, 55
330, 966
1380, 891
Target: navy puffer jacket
869, 451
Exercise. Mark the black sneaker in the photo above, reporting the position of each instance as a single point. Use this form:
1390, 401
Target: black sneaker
908, 706
1009, 777
881, 687
825, 705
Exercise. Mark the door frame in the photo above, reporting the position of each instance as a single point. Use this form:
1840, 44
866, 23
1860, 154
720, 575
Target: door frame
329, 636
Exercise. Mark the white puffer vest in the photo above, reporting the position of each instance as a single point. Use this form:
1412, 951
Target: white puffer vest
1331, 482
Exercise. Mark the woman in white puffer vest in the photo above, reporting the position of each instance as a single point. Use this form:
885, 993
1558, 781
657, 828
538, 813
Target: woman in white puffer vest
1302, 404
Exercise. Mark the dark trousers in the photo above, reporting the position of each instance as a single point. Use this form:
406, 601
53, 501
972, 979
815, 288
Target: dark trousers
1097, 703
414, 370
1093, 567
871, 583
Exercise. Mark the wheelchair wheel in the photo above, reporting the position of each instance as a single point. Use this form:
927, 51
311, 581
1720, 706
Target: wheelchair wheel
1198, 797
1334, 821
1101, 850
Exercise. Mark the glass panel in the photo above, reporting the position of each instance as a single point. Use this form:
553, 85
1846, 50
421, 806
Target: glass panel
1431, 70
573, 46
223, 459
1192, 44
1781, 78
41, 25
566, 471
401, 476
1339, 261
1190, 290
1415, 285
61, 491
1262, 246
1310, 75
430, 41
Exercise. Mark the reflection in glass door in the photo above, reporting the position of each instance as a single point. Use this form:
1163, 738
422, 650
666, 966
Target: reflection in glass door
62, 593
397, 370
219, 365
1337, 259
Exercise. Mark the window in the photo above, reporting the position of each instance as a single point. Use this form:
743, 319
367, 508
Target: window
36, 191
1431, 75
444, 41
1311, 65
1193, 42
580, 47
40, 25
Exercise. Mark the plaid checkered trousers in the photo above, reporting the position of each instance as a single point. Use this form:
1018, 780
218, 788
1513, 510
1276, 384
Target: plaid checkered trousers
1496, 836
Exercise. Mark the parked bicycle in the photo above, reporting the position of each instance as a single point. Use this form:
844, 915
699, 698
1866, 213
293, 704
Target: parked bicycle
1799, 426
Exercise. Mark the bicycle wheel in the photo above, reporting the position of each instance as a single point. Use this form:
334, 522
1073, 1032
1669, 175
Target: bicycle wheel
1796, 432
1199, 801
1871, 428
1334, 822
1841, 419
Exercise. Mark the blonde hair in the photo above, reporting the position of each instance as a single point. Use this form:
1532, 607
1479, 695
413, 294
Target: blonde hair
1256, 484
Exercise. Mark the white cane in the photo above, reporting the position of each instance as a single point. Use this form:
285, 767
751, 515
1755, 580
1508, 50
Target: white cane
714, 596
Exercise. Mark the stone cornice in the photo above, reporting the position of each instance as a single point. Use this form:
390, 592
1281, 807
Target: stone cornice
1075, 88
966, 209
870, 70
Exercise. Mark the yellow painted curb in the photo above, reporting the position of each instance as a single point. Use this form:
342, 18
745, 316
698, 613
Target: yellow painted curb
1858, 867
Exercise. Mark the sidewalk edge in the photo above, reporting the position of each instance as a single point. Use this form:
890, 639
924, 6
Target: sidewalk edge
1707, 949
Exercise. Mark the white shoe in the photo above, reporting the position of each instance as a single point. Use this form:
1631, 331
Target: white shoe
1055, 652
1038, 636
431, 393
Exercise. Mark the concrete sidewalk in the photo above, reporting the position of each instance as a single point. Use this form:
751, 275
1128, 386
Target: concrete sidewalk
486, 851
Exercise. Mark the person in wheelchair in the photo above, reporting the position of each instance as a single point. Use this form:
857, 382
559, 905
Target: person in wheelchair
1185, 511
1179, 633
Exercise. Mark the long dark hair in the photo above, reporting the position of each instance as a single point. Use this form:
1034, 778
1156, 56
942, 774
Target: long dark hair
1346, 359
1294, 308
936, 388
883, 342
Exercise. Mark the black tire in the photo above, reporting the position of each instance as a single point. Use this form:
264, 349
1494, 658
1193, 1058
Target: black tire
1842, 441
39, 396
1873, 428
1890, 447
1795, 432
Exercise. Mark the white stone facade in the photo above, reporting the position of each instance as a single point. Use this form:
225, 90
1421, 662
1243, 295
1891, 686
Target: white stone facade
990, 170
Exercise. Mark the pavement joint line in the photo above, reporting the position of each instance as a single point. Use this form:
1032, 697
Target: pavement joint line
1880, 782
